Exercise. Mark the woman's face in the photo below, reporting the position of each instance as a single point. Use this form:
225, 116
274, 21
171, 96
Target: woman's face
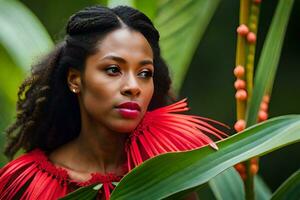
117, 85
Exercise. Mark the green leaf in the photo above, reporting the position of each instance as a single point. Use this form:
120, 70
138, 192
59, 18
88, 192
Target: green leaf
227, 185
98, 187
205, 192
268, 61
11, 77
262, 192
181, 25
8, 94
22, 34
22, 39
86, 193
171, 173
290, 189
114, 3
115, 183
149, 8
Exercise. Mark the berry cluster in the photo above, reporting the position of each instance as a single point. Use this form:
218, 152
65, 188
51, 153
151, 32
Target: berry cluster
240, 125
248, 33
241, 93
263, 112
243, 30
241, 168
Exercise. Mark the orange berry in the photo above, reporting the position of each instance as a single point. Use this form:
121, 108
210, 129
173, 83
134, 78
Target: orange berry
241, 95
240, 168
239, 71
242, 30
251, 37
254, 168
254, 160
264, 106
239, 84
257, 1
240, 125
266, 98
243, 176
262, 116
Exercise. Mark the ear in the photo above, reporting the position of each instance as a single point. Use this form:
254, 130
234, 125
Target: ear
74, 80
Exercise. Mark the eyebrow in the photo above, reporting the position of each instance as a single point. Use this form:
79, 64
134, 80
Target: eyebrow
122, 60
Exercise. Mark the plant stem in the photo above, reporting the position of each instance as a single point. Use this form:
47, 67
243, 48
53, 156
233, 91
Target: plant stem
240, 53
252, 24
245, 54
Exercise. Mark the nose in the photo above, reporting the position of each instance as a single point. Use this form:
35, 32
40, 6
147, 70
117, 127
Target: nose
131, 86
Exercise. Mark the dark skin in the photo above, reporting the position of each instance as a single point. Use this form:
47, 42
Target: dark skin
120, 71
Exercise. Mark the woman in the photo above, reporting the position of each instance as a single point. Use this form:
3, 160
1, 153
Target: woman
93, 109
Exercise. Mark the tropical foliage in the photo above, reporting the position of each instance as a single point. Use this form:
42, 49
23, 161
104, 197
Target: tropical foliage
173, 175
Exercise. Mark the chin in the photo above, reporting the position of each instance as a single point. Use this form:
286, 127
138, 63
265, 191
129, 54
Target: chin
126, 130
125, 127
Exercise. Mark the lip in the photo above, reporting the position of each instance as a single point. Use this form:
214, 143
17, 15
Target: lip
129, 109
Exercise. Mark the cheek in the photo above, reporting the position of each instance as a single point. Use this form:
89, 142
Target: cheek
151, 89
97, 96
148, 93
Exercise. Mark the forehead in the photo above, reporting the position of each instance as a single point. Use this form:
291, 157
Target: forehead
125, 41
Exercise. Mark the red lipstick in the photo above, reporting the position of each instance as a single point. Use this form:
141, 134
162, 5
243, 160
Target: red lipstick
129, 110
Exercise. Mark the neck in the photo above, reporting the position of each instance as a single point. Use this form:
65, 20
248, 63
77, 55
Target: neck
97, 149
101, 149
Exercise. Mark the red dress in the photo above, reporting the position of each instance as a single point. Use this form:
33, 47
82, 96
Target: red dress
32, 176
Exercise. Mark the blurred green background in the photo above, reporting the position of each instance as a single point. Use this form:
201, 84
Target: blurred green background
209, 80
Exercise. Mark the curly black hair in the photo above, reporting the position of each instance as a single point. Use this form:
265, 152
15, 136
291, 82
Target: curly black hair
47, 111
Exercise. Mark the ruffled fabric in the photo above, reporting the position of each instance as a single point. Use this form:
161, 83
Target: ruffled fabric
33, 176
164, 130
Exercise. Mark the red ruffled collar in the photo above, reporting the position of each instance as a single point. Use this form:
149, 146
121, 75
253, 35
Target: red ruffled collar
61, 174
34, 176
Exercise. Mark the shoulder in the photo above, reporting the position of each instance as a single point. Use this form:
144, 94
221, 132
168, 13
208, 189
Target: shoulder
32, 176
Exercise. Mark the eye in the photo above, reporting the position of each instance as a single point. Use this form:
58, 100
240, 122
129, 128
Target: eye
146, 73
113, 70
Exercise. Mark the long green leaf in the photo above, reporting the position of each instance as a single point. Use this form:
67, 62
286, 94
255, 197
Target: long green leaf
86, 193
11, 77
290, 189
147, 7
262, 192
227, 185
205, 192
268, 61
22, 39
181, 25
22, 34
171, 173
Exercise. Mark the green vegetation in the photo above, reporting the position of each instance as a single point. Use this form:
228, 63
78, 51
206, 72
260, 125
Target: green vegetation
182, 25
